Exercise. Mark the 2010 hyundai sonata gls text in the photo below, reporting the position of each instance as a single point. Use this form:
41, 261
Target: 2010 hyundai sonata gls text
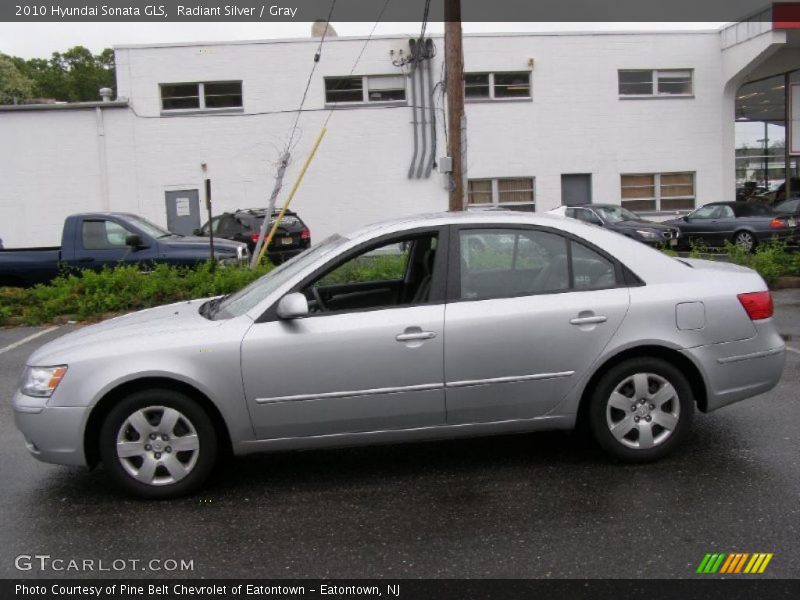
428, 327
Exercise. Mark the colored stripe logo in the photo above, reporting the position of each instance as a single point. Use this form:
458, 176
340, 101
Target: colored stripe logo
734, 563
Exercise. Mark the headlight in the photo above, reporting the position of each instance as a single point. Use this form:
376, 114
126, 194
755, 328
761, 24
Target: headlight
648, 234
41, 382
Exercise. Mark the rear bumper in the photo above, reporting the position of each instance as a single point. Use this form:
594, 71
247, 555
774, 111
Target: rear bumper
53, 434
735, 371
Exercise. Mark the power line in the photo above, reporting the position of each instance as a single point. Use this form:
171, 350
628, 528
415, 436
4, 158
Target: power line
317, 56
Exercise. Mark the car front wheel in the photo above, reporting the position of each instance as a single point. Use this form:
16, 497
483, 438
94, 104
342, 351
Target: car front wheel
158, 444
641, 409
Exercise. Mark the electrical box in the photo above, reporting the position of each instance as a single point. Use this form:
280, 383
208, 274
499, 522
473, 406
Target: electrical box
446, 164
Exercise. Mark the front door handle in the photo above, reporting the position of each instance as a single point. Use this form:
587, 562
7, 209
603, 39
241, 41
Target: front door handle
588, 320
417, 335
86, 259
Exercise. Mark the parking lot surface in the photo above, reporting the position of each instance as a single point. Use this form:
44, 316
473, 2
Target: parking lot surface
534, 505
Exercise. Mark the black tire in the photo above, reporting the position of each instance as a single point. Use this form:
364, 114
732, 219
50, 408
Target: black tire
192, 428
605, 411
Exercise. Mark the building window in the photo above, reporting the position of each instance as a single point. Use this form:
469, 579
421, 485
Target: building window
658, 191
497, 86
666, 82
366, 88
201, 96
514, 193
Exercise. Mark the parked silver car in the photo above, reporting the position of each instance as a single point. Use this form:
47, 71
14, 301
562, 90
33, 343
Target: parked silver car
427, 327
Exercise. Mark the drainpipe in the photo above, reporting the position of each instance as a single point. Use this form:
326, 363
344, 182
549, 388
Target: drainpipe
422, 123
413, 108
429, 52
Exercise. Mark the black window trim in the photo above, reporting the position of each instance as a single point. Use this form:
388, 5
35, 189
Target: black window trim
438, 281
624, 276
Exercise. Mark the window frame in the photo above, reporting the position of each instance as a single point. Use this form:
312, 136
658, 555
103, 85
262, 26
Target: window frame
658, 197
201, 97
495, 191
491, 83
437, 293
365, 100
624, 277
654, 81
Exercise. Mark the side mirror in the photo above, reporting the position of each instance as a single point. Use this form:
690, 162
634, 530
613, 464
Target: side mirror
293, 306
686, 218
197, 231
134, 241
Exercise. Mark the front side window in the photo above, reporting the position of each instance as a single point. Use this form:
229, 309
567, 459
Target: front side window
103, 235
516, 193
201, 95
395, 273
497, 86
655, 82
658, 191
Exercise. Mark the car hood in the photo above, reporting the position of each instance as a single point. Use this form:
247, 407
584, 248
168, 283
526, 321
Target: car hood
191, 241
170, 320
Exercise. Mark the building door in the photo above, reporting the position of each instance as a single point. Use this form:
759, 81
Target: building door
183, 211
576, 189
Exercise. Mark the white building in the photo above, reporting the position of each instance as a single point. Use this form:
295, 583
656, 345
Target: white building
642, 118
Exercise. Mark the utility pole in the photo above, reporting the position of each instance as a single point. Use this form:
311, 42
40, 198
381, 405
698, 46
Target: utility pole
454, 65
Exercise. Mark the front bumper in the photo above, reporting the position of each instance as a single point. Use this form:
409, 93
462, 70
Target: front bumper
53, 434
735, 371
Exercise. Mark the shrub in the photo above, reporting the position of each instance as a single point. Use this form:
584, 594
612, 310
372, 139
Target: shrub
93, 294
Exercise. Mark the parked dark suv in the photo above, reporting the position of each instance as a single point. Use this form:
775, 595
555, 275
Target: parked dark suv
244, 225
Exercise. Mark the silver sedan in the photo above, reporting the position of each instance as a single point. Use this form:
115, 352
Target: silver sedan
428, 327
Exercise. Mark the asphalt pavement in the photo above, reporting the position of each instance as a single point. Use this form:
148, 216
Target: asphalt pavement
535, 505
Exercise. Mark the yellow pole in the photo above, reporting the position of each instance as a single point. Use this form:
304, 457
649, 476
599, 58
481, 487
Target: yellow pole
291, 193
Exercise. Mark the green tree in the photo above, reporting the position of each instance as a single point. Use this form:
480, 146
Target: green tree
72, 76
15, 86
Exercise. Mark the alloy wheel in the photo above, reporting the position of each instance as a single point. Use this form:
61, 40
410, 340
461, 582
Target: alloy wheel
643, 411
745, 240
157, 445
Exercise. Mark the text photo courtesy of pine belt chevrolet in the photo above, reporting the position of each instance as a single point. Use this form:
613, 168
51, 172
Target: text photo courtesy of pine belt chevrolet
97, 240
409, 330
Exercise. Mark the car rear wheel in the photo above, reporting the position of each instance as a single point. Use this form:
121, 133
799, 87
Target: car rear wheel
158, 444
745, 240
641, 409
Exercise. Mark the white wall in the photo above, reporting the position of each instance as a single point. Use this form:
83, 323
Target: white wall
575, 123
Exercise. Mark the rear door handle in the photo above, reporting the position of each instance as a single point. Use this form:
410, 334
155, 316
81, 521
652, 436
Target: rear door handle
420, 335
588, 320
86, 259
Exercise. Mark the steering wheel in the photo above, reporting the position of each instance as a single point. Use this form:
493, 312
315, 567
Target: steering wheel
318, 299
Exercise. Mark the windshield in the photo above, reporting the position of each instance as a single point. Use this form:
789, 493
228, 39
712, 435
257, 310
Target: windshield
615, 214
148, 228
239, 303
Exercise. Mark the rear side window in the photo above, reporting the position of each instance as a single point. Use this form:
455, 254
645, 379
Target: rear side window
503, 263
499, 263
590, 270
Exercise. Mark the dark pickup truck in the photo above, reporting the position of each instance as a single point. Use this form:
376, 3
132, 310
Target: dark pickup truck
95, 240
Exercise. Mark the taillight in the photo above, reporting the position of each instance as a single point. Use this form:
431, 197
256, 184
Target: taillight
305, 234
777, 223
254, 236
758, 305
